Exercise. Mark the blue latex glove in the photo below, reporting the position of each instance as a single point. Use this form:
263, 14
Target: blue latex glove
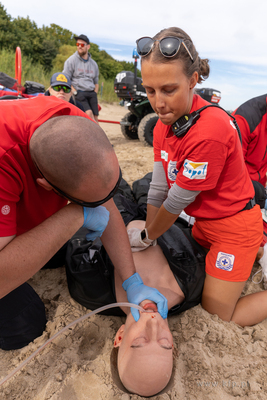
265, 206
137, 292
95, 220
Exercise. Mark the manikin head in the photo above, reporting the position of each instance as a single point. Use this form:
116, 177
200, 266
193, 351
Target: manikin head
145, 356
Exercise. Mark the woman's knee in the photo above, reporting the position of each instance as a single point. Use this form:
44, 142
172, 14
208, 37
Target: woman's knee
220, 297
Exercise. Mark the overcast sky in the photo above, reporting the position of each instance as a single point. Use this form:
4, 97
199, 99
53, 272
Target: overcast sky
231, 33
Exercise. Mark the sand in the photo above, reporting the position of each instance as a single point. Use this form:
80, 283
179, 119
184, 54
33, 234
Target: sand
215, 360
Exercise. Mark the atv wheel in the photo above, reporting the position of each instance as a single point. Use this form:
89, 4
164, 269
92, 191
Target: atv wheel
129, 126
146, 127
9, 97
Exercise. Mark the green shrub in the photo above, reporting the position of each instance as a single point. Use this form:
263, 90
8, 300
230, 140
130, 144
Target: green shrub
35, 72
29, 71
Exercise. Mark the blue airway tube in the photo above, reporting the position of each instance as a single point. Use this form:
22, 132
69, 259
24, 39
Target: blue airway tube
112, 305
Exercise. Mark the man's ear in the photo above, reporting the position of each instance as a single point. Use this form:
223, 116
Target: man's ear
119, 336
43, 182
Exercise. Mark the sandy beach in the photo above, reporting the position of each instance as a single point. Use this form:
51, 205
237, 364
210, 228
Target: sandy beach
215, 360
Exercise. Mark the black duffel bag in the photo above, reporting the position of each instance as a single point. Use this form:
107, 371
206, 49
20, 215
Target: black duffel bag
33, 87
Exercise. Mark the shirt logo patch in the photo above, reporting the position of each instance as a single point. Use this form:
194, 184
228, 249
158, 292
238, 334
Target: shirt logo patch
195, 170
5, 210
164, 155
172, 170
225, 261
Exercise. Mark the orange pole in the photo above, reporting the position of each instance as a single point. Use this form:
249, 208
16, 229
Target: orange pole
109, 122
18, 70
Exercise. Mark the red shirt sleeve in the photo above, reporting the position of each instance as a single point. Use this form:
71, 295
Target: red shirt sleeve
202, 166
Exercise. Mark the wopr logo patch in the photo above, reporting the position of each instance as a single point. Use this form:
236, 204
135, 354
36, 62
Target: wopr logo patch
172, 170
195, 170
225, 261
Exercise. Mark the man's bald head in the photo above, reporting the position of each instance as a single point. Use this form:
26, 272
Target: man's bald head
70, 150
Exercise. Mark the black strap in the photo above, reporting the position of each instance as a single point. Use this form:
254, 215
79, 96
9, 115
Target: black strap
249, 205
230, 115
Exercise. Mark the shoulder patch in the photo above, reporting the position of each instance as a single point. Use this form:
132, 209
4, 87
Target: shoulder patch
195, 170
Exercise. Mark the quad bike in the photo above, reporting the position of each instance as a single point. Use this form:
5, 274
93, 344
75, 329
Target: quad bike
141, 119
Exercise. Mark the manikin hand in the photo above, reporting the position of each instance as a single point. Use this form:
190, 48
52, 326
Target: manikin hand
136, 242
95, 220
137, 292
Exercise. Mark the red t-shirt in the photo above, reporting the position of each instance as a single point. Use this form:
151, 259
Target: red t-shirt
23, 203
252, 121
208, 159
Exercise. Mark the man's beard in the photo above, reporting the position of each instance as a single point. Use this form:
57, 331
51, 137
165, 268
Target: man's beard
82, 52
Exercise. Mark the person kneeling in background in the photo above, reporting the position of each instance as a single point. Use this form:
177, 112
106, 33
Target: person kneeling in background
60, 87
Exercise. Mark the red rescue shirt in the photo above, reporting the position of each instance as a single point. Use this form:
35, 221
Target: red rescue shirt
252, 121
208, 159
23, 203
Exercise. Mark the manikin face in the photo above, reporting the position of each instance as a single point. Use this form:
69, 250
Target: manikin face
145, 357
168, 89
60, 95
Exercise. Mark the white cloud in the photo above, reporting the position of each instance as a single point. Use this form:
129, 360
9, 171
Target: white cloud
229, 30
231, 33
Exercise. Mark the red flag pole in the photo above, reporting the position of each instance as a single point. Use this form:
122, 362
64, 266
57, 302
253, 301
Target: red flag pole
18, 70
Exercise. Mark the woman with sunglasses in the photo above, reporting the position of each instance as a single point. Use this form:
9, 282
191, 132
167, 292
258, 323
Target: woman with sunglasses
60, 87
199, 167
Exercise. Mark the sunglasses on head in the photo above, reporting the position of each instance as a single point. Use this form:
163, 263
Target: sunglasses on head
59, 87
169, 46
80, 44
82, 203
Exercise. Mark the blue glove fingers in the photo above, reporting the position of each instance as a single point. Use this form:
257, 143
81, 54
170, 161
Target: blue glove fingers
95, 220
137, 292
135, 314
92, 235
163, 308
160, 300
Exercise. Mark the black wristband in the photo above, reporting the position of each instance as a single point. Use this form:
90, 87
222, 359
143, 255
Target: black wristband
143, 234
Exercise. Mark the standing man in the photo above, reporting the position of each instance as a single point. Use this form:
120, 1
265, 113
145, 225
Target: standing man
84, 74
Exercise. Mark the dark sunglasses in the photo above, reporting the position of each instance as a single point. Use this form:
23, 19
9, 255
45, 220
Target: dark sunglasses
59, 87
85, 203
169, 46
80, 44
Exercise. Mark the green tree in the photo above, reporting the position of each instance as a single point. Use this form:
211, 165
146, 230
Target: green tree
59, 35
64, 52
6, 34
51, 46
48, 54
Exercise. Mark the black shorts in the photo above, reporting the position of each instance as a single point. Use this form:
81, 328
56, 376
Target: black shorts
22, 312
88, 100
